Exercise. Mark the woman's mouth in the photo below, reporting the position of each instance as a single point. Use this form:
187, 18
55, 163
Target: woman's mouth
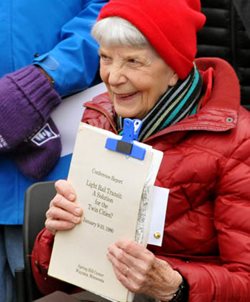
124, 96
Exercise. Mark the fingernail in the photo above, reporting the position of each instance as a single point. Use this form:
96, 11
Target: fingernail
76, 219
71, 197
78, 211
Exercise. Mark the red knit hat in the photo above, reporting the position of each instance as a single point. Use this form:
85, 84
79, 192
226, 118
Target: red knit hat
169, 25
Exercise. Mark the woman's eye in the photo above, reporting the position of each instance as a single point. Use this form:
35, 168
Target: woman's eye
134, 62
105, 58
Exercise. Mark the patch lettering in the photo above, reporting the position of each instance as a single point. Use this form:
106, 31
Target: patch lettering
44, 135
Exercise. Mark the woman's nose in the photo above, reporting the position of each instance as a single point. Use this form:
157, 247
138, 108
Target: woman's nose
116, 76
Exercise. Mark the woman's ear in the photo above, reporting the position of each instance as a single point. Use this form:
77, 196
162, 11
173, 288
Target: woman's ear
173, 80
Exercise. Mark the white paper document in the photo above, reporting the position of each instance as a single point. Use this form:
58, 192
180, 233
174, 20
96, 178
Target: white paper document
115, 190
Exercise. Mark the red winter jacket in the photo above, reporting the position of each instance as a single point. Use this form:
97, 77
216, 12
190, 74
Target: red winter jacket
206, 166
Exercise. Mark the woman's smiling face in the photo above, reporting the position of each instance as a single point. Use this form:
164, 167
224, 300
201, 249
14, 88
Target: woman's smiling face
135, 78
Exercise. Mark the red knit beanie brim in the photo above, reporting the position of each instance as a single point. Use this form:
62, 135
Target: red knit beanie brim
170, 26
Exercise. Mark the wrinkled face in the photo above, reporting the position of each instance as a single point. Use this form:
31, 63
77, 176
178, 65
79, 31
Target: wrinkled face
135, 78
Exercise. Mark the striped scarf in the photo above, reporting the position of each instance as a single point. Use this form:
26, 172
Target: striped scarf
175, 104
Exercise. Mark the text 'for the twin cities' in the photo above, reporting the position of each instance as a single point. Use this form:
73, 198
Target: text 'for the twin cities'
103, 199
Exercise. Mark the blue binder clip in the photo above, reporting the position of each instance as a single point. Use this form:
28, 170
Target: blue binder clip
131, 129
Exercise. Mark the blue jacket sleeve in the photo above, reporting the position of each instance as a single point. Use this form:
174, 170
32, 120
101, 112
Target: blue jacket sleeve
73, 63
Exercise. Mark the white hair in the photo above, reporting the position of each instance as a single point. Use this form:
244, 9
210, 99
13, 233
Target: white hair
116, 31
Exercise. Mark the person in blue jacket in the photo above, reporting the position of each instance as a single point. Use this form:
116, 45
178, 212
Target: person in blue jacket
46, 53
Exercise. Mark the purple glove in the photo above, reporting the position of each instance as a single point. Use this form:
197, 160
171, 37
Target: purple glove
26, 102
36, 156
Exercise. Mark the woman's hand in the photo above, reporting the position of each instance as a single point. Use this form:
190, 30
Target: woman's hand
141, 272
64, 212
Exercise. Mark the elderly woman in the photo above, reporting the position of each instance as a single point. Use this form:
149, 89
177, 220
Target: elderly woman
191, 111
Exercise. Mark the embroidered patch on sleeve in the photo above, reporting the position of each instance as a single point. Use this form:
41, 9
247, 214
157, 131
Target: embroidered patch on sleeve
44, 135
